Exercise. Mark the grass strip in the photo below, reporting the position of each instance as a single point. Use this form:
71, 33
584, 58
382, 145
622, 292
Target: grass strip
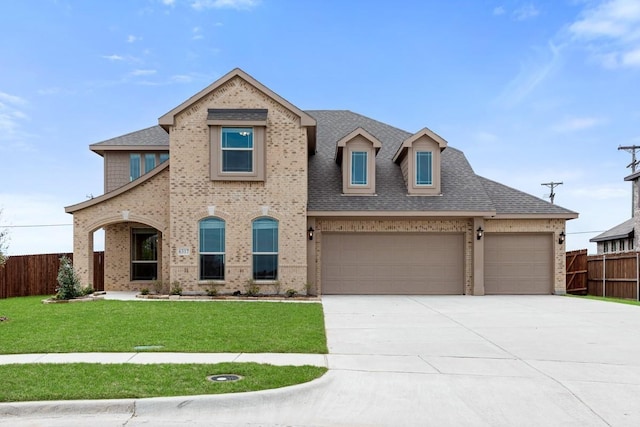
168, 326
609, 299
80, 381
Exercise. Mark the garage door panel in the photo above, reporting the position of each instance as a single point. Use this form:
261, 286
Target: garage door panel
518, 263
392, 263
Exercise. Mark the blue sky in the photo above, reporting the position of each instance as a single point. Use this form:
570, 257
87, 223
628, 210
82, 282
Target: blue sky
531, 91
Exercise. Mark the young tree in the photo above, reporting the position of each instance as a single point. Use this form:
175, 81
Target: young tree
4, 242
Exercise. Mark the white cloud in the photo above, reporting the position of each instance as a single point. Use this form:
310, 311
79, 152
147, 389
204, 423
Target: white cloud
578, 123
113, 57
197, 33
531, 75
12, 135
527, 11
132, 39
12, 99
600, 193
611, 31
143, 72
169, 2
499, 11
225, 4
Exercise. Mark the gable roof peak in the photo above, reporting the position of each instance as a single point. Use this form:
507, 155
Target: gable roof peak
167, 119
424, 132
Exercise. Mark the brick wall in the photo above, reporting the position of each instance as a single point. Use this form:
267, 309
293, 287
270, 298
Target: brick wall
282, 196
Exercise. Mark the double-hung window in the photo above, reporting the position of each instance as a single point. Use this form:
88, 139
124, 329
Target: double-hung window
359, 168
144, 254
212, 249
265, 249
237, 149
424, 168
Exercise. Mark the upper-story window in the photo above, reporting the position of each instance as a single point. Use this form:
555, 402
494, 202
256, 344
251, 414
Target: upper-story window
420, 158
134, 166
141, 163
356, 155
359, 168
237, 149
424, 168
237, 144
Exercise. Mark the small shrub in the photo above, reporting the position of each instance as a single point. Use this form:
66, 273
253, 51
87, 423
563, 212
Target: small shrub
88, 290
68, 282
251, 289
144, 291
290, 293
158, 287
212, 292
176, 289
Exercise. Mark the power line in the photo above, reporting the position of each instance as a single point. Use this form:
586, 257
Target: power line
587, 232
35, 225
552, 185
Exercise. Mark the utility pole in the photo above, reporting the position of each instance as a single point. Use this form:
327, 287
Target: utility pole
552, 185
634, 162
631, 149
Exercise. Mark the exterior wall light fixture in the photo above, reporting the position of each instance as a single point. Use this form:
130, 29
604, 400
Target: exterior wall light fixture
479, 233
561, 238
310, 233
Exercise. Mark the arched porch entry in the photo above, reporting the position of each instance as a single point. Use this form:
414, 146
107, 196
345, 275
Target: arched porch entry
136, 252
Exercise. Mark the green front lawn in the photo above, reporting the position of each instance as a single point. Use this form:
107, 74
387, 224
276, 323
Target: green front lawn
168, 326
95, 381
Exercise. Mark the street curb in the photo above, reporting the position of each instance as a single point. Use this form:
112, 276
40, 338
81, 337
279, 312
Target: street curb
155, 405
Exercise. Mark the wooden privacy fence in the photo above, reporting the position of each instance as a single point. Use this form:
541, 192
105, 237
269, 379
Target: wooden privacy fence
611, 275
27, 275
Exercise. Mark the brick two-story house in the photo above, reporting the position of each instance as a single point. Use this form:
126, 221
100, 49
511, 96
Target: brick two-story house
238, 185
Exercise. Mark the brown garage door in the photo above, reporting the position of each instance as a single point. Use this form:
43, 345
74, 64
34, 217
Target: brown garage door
518, 263
392, 263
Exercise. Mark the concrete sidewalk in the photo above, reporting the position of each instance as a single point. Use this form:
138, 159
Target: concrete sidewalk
279, 359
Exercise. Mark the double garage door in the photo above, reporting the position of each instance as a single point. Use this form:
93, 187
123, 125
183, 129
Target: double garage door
392, 263
432, 263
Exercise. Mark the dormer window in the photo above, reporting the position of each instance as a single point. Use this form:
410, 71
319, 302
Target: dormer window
359, 168
419, 159
356, 155
424, 168
237, 142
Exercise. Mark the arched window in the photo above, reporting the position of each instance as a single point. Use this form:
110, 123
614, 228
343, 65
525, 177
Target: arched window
211, 249
265, 249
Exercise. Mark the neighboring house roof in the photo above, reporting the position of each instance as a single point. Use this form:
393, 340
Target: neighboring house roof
154, 137
463, 192
509, 201
620, 231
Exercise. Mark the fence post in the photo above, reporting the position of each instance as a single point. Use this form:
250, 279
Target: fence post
604, 276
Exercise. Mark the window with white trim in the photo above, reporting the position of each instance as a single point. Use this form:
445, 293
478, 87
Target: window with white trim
144, 254
265, 249
212, 243
236, 146
424, 168
149, 162
359, 168
134, 166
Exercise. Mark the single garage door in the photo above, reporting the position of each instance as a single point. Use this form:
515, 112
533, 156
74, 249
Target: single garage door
518, 263
392, 263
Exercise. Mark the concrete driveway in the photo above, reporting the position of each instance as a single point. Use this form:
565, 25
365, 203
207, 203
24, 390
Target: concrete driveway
441, 361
